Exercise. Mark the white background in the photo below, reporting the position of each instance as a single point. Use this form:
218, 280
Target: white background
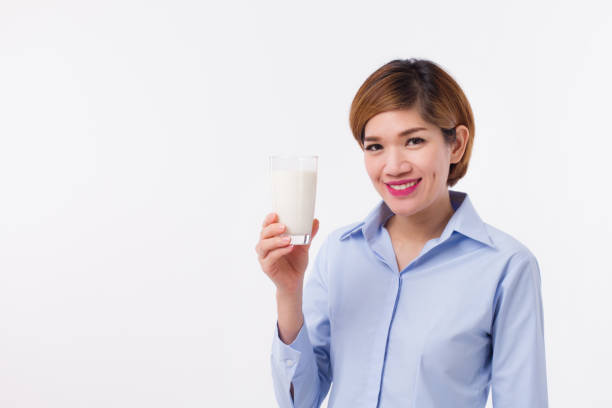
133, 179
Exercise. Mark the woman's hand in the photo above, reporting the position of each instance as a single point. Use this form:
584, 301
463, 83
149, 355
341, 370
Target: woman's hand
284, 264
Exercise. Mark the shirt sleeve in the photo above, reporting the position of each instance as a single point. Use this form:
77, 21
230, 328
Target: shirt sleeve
518, 373
306, 362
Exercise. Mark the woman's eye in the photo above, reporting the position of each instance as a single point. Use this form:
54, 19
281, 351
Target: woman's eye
417, 139
372, 147
375, 147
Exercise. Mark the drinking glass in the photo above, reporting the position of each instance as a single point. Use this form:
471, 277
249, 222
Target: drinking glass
294, 186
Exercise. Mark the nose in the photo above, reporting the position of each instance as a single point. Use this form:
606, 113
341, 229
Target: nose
397, 163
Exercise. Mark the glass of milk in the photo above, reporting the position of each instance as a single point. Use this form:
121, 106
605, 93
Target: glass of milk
294, 186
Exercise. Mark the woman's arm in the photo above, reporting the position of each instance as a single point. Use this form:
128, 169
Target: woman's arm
285, 265
301, 369
519, 363
290, 318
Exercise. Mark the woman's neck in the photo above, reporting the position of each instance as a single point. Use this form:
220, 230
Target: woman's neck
423, 226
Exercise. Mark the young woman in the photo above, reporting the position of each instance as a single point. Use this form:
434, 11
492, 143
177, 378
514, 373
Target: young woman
422, 304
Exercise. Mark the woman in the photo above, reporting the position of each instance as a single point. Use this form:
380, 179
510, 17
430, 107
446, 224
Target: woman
421, 304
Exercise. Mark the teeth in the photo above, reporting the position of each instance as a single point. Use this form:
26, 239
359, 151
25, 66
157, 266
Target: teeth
403, 186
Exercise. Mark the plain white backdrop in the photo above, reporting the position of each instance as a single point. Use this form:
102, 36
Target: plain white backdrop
134, 139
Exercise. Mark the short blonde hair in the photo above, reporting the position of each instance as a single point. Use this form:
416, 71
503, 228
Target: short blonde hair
404, 84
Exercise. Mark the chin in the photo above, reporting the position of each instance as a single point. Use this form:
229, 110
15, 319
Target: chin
404, 211
400, 208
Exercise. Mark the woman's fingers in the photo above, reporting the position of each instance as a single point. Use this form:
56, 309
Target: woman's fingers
270, 237
275, 254
269, 244
315, 227
272, 230
269, 230
269, 219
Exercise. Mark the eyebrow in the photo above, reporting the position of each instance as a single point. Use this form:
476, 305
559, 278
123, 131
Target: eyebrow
401, 134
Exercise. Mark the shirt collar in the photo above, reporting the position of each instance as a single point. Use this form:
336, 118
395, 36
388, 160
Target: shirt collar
464, 220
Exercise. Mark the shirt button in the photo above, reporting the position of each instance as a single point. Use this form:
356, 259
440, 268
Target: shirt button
289, 363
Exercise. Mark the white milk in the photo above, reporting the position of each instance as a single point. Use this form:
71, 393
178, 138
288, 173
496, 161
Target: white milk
293, 199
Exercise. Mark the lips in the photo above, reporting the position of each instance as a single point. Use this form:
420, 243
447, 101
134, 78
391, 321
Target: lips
394, 183
404, 192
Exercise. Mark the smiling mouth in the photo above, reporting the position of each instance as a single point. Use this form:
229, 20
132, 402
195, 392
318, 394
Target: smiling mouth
400, 187
403, 190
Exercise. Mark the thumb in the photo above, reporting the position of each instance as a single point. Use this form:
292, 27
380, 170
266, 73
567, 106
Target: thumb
315, 229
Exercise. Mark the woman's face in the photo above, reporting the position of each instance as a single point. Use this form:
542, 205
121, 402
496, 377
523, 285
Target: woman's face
400, 148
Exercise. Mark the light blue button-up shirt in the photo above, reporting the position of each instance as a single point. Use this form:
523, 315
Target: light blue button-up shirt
463, 315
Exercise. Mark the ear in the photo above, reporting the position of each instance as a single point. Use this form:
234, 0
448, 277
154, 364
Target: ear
458, 148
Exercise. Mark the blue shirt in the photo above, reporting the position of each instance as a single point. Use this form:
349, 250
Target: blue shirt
463, 315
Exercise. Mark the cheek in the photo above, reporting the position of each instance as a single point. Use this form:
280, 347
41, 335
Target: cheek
440, 167
370, 167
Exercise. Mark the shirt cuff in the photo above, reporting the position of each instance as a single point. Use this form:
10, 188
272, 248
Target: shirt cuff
287, 356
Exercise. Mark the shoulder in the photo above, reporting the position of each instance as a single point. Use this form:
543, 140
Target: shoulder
517, 258
508, 245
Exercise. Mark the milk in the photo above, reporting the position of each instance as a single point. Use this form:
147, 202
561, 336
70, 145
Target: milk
293, 199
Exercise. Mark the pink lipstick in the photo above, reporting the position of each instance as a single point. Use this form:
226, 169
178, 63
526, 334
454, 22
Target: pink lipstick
404, 192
